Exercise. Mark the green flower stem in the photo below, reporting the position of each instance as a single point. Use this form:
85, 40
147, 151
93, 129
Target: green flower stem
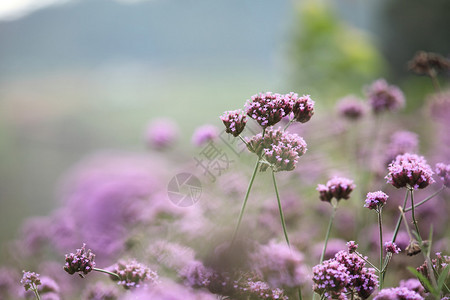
36, 292
380, 225
426, 199
244, 141
371, 264
106, 272
255, 170
299, 290
328, 233
288, 124
413, 216
436, 86
399, 221
280, 209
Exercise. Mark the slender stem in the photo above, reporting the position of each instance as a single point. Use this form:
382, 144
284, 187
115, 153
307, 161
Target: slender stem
255, 170
288, 124
280, 209
328, 233
299, 290
106, 272
399, 221
36, 292
413, 216
244, 141
363, 258
426, 199
402, 212
380, 225
433, 77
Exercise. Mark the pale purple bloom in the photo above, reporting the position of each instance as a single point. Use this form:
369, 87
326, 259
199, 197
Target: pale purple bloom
443, 171
80, 262
351, 261
330, 278
365, 282
132, 274
352, 246
351, 108
302, 107
398, 293
337, 187
8, 282
281, 150
410, 170
30, 280
384, 97
261, 290
401, 142
100, 291
279, 265
234, 121
413, 284
161, 133
391, 247
204, 134
267, 108
376, 200
196, 275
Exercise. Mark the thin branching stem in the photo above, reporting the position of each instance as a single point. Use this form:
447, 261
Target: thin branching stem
426, 199
280, 209
380, 226
414, 217
244, 204
36, 293
328, 233
363, 258
399, 221
106, 272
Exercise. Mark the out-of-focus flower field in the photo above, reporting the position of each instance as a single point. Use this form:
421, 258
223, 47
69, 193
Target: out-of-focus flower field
326, 180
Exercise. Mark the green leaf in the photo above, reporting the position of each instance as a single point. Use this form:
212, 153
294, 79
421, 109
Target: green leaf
443, 277
424, 280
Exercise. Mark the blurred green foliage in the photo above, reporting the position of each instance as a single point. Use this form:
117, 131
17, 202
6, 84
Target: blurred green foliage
329, 55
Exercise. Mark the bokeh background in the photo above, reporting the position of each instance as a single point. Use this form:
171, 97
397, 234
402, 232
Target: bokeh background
82, 76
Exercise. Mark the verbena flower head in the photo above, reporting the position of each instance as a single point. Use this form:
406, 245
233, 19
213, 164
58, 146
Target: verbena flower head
351, 261
302, 107
365, 282
204, 134
399, 293
351, 108
161, 133
279, 148
384, 97
376, 200
410, 170
267, 108
30, 280
234, 121
132, 274
426, 63
337, 187
260, 289
401, 142
330, 278
413, 284
82, 261
443, 171
391, 247
439, 264
352, 246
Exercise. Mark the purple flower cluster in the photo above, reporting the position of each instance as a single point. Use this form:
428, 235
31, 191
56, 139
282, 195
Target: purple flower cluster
82, 261
439, 264
204, 134
234, 121
337, 187
346, 272
376, 200
267, 108
132, 274
413, 284
161, 133
351, 108
280, 149
260, 289
279, 265
391, 247
401, 142
330, 278
443, 171
384, 97
352, 246
30, 280
410, 170
399, 293
302, 107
